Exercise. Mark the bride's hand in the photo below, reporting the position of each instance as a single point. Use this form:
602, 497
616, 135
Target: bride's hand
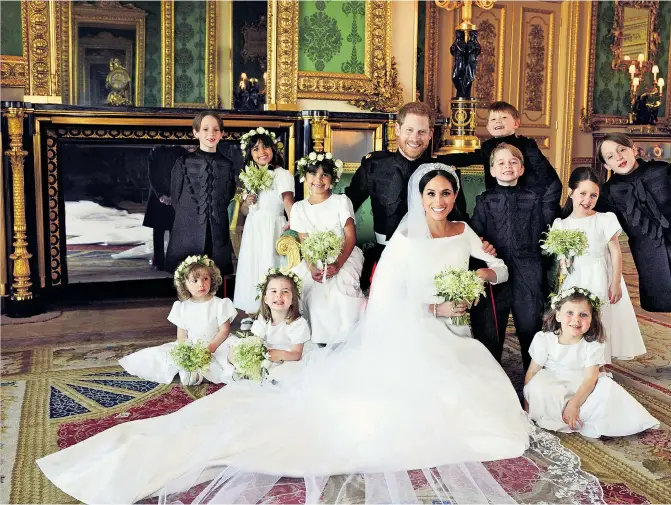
451, 309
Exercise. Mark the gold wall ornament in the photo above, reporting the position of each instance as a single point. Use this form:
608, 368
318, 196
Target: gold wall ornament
383, 94
466, 10
118, 82
167, 53
585, 122
282, 54
318, 128
20, 257
13, 71
38, 38
431, 56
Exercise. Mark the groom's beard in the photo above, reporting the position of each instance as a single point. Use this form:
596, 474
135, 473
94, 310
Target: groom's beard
407, 157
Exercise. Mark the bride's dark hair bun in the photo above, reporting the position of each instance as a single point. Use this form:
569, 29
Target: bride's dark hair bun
435, 173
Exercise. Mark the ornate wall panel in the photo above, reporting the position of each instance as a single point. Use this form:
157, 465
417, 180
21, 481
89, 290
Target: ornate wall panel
488, 86
537, 54
37, 37
167, 53
13, 71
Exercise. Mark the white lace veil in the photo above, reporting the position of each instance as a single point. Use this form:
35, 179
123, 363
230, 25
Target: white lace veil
358, 361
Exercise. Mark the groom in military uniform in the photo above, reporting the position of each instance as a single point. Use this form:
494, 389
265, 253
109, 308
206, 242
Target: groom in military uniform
383, 176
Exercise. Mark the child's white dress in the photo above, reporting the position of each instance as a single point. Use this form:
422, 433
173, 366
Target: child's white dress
283, 337
201, 322
263, 227
593, 271
334, 306
608, 411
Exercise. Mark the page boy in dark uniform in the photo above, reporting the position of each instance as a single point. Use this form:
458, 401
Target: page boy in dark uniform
513, 218
159, 214
202, 186
383, 176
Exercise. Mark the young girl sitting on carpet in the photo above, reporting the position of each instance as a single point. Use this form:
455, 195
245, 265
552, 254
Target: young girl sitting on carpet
564, 390
279, 322
199, 316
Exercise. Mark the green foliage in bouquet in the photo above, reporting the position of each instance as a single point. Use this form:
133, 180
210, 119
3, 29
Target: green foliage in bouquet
191, 356
249, 358
322, 248
256, 179
565, 244
459, 285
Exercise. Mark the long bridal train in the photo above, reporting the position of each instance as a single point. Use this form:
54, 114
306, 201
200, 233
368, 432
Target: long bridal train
405, 392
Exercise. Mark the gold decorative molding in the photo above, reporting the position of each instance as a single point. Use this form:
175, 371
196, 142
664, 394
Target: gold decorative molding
21, 266
167, 53
282, 54
431, 56
582, 161
488, 86
38, 38
535, 99
13, 71
211, 76
617, 32
64, 43
382, 94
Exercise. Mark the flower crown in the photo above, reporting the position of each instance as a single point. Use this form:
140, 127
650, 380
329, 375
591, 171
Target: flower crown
180, 271
312, 158
244, 140
278, 271
556, 300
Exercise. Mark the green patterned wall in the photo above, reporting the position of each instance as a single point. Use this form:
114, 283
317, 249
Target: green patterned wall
190, 51
152, 58
11, 43
332, 36
611, 87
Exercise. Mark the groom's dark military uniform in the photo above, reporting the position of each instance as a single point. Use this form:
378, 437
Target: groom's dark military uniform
383, 176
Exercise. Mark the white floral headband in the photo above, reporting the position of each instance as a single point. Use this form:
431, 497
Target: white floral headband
556, 301
313, 158
244, 140
180, 271
278, 271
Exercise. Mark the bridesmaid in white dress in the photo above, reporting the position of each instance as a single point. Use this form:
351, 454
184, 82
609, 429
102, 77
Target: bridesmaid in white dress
265, 217
199, 316
332, 304
600, 268
403, 392
563, 387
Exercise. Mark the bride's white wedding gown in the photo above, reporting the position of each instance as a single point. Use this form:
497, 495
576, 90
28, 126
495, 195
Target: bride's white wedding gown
405, 392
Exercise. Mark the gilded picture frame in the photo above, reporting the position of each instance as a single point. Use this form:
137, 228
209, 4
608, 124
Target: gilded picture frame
103, 17
287, 83
650, 32
589, 121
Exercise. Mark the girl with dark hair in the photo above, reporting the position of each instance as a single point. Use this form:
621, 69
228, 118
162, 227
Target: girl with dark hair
265, 216
332, 297
563, 388
600, 267
639, 192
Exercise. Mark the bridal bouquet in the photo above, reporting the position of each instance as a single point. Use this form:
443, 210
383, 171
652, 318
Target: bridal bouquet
191, 356
322, 248
249, 356
256, 179
565, 245
459, 285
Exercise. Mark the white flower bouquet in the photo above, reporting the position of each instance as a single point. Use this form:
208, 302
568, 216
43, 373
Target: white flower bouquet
459, 285
322, 248
256, 179
249, 356
565, 245
191, 356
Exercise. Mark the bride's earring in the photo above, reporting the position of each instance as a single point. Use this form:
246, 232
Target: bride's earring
331, 186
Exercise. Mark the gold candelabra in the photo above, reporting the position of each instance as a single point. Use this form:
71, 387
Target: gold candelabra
466, 10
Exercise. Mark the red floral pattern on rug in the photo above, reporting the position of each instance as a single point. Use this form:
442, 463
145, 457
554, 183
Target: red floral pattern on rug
620, 493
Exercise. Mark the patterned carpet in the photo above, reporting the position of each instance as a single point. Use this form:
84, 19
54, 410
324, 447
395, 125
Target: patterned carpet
61, 389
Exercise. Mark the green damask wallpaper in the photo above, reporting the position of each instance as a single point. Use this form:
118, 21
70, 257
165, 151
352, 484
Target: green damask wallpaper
190, 51
611, 88
152, 58
332, 36
11, 43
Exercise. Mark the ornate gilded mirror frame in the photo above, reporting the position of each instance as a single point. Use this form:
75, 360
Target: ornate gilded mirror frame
650, 34
589, 121
377, 88
118, 16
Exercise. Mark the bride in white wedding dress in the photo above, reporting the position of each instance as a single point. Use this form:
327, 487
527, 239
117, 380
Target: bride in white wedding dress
406, 391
